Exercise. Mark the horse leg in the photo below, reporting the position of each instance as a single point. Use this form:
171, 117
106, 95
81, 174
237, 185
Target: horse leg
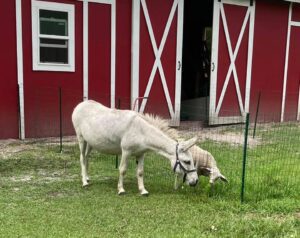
176, 185
87, 152
82, 147
140, 175
122, 169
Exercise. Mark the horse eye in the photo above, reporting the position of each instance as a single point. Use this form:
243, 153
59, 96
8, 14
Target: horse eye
187, 162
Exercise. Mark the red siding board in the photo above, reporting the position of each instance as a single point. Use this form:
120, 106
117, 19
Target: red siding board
8, 71
271, 21
99, 52
123, 53
296, 12
235, 17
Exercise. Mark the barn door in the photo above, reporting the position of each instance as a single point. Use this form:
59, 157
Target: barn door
157, 50
233, 25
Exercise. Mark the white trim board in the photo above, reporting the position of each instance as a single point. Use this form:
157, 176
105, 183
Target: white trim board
287, 53
176, 120
20, 67
286, 66
135, 54
113, 55
85, 52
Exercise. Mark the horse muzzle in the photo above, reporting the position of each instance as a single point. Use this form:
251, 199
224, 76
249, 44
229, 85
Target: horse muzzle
193, 183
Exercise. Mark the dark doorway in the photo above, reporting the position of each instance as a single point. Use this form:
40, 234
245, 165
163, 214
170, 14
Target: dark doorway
197, 38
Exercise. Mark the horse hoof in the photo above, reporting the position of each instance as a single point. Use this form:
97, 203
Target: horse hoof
84, 185
121, 193
145, 194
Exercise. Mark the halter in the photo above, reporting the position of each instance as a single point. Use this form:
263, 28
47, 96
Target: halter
181, 166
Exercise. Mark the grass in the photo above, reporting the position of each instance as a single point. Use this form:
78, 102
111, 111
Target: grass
41, 194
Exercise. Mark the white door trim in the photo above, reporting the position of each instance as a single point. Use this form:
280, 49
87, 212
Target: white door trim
135, 54
176, 120
113, 49
20, 67
250, 57
215, 105
287, 55
85, 52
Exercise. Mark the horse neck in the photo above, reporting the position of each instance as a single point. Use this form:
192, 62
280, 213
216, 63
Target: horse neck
158, 142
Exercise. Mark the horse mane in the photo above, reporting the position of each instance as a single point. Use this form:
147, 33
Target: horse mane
161, 124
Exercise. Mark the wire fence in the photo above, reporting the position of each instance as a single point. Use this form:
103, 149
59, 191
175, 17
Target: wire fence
260, 158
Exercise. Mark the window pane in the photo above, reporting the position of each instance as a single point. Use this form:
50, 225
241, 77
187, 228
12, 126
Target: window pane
53, 51
53, 23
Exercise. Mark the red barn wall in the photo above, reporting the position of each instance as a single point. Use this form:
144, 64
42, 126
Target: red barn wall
8, 82
41, 88
270, 33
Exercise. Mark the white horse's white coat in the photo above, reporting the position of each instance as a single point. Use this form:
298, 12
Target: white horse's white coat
204, 162
126, 132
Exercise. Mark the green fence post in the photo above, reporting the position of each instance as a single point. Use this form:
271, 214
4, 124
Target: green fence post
245, 157
117, 157
60, 121
256, 115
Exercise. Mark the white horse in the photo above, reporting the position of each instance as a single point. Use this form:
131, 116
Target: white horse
204, 162
126, 132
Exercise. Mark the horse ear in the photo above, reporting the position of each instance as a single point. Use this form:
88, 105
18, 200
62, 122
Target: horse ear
189, 143
223, 178
207, 170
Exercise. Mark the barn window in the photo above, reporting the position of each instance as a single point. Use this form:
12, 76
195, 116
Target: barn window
53, 36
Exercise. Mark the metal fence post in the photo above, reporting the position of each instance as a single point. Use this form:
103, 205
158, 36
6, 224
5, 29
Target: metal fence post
60, 120
256, 116
117, 157
245, 157
19, 111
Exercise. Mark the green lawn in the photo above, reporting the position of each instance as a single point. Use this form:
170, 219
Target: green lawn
41, 194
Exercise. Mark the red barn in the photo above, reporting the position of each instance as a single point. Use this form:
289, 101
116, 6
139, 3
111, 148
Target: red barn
148, 55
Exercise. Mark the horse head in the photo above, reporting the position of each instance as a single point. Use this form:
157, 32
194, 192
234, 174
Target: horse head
183, 163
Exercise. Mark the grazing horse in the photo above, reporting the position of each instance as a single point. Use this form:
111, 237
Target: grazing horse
126, 132
204, 162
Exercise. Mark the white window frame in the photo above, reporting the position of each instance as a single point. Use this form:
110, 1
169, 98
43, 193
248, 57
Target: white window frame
51, 6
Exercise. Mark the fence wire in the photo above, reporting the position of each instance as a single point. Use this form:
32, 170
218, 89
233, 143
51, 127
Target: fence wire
272, 162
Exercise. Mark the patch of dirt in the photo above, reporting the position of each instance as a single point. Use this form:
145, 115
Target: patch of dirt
231, 138
9, 147
25, 178
297, 215
218, 134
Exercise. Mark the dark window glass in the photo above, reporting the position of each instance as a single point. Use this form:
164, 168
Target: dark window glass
53, 51
53, 23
